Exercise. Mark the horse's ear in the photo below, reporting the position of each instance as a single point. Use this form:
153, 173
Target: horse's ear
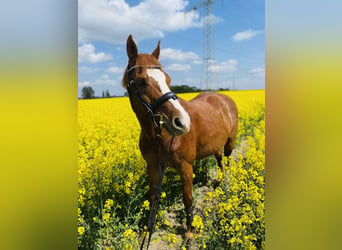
156, 52
132, 49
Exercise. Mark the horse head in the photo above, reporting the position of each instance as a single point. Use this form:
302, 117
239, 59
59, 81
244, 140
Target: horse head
148, 86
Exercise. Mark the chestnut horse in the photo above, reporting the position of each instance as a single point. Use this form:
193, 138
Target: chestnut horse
191, 129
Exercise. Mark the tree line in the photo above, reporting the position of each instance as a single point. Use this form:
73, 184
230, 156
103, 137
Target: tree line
88, 92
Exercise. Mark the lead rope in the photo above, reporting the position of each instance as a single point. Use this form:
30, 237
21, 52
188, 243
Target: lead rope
157, 126
154, 206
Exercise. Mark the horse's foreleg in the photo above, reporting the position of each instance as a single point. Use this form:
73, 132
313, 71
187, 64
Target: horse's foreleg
187, 177
154, 181
153, 176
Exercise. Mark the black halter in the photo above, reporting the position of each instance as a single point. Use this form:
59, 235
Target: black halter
150, 108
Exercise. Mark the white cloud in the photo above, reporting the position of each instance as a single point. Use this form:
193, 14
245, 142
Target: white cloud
191, 80
198, 61
84, 84
104, 80
115, 70
258, 72
87, 70
245, 35
112, 21
86, 53
178, 55
224, 67
178, 67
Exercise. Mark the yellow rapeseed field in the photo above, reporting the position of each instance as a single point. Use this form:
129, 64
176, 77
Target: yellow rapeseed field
112, 181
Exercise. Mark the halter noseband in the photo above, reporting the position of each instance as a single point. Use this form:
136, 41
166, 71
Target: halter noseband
150, 108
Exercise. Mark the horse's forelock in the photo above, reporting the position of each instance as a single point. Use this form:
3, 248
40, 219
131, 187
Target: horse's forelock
145, 61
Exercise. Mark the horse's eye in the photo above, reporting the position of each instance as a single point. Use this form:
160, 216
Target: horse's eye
142, 83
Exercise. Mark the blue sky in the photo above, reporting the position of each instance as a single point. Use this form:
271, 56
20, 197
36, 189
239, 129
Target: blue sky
104, 26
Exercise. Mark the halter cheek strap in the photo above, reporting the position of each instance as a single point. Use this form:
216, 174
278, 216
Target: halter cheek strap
133, 86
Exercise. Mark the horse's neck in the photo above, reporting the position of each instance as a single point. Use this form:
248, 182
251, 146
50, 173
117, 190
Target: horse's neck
147, 127
149, 132
146, 124
143, 116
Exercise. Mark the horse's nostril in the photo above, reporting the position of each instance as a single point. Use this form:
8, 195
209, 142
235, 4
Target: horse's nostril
178, 123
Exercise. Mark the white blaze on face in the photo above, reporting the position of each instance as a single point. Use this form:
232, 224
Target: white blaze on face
159, 76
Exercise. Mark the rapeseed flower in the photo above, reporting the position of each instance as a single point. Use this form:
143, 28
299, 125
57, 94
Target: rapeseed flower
146, 205
129, 234
112, 184
81, 230
109, 204
106, 217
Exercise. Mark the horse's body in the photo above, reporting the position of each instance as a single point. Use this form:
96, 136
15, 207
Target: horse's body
193, 129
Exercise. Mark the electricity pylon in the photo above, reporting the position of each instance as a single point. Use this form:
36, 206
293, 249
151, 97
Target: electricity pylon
208, 74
